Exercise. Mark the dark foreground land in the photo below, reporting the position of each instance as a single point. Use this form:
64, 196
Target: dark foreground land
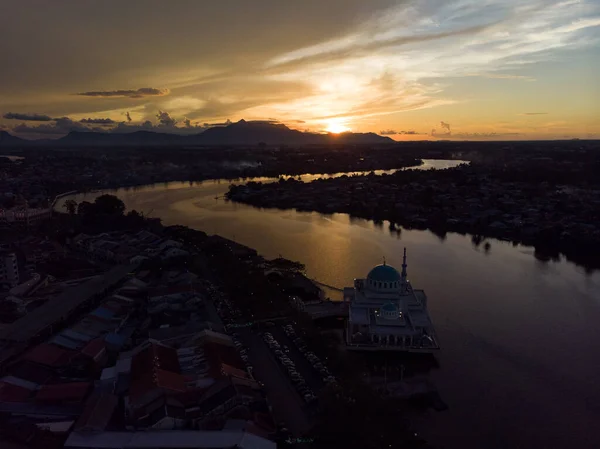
536, 194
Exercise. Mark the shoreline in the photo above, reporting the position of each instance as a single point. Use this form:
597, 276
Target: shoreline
272, 174
291, 195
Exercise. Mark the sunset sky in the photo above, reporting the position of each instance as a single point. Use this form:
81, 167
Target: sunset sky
427, 69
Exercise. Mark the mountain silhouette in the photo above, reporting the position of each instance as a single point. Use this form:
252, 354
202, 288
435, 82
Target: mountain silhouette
7, 140
248, 133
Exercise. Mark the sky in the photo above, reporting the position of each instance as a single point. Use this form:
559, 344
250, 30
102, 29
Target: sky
410, 69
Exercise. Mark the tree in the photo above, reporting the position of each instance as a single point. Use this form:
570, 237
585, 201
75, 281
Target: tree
85, 208
70, 206
109, 205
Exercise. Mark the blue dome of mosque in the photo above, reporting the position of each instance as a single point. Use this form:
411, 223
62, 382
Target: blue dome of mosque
384, 273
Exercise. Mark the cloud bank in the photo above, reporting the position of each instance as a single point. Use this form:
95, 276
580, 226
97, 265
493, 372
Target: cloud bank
27, 117
138, 93
98, 121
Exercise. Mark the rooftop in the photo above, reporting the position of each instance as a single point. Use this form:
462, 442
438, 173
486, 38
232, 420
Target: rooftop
168, 439
62, 305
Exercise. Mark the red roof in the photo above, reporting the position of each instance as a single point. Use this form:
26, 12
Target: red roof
189, 397
49, 355
236, 372
154, 357
93, 348
69, 392
156, 379
13, 393
169, 380
30, 372
218, 355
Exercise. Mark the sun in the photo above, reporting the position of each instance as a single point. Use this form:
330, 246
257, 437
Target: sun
336, 128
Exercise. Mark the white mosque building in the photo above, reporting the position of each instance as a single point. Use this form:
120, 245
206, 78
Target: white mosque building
386, 314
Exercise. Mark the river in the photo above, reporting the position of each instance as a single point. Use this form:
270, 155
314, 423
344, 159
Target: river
520, 358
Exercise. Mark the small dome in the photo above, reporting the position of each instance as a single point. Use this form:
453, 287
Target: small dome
389, 307
384, 273
390, 311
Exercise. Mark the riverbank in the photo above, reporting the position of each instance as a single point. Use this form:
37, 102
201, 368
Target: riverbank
466, 199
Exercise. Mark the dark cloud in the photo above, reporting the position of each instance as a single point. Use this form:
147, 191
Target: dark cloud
139, 93
445, 126
485, 135
391, 132
97, 121
535, 113
214, 125
128, 115
266, 122
123, 127
61, 126
27, 117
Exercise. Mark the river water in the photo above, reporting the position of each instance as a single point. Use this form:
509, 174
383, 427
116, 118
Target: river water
520, 358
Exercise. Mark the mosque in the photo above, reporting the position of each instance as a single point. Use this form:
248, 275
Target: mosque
386, 314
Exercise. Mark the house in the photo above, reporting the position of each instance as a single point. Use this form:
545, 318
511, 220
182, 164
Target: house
97, 412
72, 393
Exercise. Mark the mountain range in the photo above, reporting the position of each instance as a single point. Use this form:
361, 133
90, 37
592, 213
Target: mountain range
247, 133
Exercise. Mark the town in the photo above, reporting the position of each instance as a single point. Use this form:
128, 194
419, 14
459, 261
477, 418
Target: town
118, 331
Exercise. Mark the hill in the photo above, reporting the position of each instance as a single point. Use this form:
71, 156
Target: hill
237, 134
8, 140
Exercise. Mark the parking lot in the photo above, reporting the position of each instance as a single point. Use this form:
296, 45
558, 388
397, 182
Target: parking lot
303, 366
287, 404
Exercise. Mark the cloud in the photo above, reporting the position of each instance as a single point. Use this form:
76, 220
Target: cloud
502, 76
400, 58
128, 115
97, 121
27, 117
534, 113
165, 119
445, 126
139, 93
388, 132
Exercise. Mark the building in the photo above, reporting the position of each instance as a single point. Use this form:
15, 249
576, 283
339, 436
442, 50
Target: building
9, 270
386, 314
24, 217
173, 439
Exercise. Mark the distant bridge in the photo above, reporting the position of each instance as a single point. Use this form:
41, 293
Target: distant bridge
327, 309
322, 284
